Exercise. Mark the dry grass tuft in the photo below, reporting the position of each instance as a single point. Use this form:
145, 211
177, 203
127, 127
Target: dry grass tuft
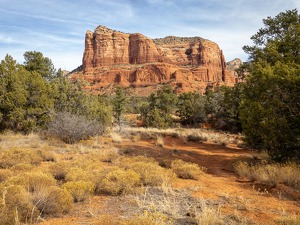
208, 215
15, 207
270, 173
290, 220
116, 138
55, 202
149, 218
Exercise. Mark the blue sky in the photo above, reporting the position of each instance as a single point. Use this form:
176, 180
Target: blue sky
57, 27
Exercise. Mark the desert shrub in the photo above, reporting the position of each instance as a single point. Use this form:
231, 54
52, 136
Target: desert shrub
22, 167
187, 170
150, 172
120, 181
287, 173
55, 201
15, 206
80, 190
59, 170
12, 157
36, 183
5, 174
79, 174
47, 156
291, 220
72, 128
243, 169
128, 160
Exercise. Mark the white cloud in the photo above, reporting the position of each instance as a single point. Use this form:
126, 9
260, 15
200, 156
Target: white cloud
57, 27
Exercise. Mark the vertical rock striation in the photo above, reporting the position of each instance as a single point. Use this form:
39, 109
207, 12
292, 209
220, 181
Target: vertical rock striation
189, 64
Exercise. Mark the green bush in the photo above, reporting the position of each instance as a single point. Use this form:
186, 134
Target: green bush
80, 190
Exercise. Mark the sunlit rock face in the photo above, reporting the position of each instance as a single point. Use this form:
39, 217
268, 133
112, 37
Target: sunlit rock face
134, 60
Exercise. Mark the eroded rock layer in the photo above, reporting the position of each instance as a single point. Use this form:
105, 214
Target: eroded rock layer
134, 60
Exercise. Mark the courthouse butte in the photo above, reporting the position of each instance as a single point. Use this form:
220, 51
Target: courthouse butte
143, 64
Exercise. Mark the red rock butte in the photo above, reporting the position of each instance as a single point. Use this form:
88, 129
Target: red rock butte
133, 60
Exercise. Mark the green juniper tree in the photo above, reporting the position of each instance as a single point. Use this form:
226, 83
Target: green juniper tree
270, 109
119, 104
157, 112
35, 61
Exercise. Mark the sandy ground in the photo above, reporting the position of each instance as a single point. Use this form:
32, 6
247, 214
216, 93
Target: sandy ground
254, 203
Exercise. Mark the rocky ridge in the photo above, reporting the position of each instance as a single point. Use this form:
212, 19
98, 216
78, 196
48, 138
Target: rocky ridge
134, 60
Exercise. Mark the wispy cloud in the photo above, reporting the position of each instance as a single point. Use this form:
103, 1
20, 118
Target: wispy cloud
57, 27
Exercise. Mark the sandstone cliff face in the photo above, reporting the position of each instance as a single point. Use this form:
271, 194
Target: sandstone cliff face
134, 60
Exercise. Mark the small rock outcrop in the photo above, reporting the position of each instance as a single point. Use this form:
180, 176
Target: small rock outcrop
134, 60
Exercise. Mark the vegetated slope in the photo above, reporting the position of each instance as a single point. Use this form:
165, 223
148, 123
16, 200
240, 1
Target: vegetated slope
218, 192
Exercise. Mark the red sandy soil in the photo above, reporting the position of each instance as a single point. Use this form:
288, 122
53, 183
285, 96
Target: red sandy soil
239, 198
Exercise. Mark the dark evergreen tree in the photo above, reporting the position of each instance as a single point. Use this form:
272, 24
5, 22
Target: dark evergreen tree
270, 108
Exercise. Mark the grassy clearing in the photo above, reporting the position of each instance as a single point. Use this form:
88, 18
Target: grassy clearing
195, 135
44, 177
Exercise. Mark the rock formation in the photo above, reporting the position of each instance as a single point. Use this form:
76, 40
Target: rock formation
134, 60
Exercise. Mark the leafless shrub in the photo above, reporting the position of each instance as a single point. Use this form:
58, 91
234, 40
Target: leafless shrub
72, 128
